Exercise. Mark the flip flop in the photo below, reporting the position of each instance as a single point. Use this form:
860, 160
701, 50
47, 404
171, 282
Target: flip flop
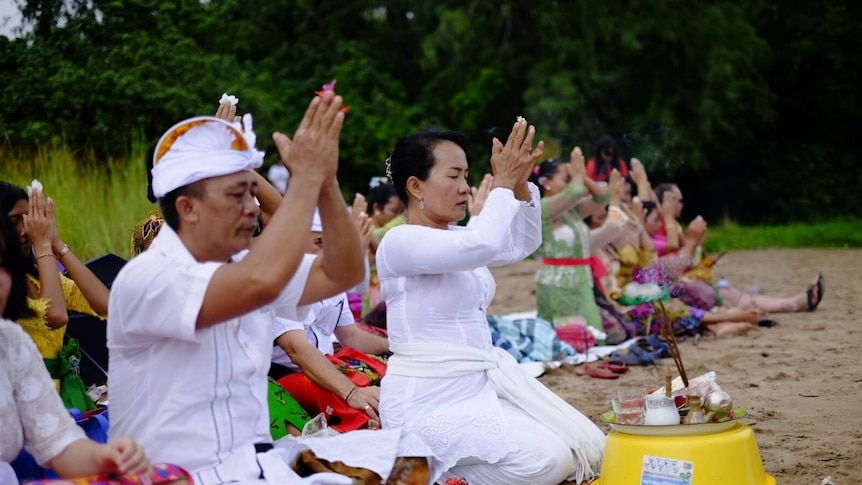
597, 372
766, 322
636, 355
812, 305
614, 365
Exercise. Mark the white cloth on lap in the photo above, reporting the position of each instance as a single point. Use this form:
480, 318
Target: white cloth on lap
441, 360
350, 448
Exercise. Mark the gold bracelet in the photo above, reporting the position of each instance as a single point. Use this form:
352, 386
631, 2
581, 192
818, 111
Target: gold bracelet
43, 255
63, 251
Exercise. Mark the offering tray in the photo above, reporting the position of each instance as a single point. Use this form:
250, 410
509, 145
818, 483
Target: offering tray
673, 430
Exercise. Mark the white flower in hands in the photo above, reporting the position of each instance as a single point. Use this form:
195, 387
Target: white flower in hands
228, 98
35, 185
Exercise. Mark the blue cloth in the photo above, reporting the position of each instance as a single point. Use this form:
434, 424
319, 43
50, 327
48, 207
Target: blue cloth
500, 341
533, 338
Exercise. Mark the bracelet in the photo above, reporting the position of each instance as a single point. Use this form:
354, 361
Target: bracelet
43, 255
504, 187
347, 398
63, 252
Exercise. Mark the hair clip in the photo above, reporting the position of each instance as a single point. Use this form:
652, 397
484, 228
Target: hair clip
389, 165
536, 170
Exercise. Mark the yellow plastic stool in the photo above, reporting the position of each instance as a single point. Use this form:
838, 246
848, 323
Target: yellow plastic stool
727, 457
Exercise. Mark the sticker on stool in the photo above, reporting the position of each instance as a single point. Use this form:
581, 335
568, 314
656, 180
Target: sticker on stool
666, 471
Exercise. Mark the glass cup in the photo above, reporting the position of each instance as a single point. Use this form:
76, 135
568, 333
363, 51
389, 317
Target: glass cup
632, 396
628, 412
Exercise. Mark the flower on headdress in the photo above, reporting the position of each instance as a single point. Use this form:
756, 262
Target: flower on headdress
536, 170
331, 87
228, 98
34, 185
376, 181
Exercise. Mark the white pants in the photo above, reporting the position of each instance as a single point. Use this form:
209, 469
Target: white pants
542, 458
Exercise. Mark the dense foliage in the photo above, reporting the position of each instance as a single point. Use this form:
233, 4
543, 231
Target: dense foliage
753, 107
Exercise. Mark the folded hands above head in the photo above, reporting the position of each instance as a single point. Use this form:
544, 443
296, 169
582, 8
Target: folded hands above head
513, 162
313, 152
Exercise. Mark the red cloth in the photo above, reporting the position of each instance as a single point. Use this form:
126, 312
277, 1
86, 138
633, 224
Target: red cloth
362, 369
576, 335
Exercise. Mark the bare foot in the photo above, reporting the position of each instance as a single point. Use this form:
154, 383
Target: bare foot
748, 314
730, 329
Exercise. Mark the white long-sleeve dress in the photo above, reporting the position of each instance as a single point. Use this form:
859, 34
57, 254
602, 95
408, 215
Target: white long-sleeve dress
437, 287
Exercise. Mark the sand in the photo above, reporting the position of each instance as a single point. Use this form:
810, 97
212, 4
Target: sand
799, 381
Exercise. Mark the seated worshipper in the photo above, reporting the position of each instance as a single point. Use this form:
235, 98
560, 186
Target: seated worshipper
146, 230
446, 386
190, 336
50, 294
606, 158
343, 385
34, 418
804, 301
387, 212
564, 282
365, 226
630, 253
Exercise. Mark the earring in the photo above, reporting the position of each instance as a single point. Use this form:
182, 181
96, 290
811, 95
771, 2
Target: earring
421, 204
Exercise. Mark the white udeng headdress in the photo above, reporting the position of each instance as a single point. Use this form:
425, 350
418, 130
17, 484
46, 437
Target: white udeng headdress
203, 147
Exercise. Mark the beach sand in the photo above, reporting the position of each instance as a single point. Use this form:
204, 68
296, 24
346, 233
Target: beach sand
799, 381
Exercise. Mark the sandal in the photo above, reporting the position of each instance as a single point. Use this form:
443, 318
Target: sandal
820, 285
618, 366
766, 322
636, 355
597, 372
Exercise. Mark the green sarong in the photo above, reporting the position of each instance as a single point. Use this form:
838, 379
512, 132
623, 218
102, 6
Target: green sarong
284, 410
65, 369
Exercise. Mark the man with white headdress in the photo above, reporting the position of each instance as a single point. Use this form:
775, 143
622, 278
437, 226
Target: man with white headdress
190, 319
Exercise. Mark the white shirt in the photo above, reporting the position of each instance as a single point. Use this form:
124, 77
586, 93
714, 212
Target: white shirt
278, 176
33, 415
194, 397
319, 321
437, 287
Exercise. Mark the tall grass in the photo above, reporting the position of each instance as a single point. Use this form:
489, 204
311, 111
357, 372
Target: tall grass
97, 207
836, 233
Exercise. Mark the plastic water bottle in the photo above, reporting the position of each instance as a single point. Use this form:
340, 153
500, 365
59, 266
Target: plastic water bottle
723, 283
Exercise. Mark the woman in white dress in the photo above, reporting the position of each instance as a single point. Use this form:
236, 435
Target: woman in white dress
459, 400
33, 416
